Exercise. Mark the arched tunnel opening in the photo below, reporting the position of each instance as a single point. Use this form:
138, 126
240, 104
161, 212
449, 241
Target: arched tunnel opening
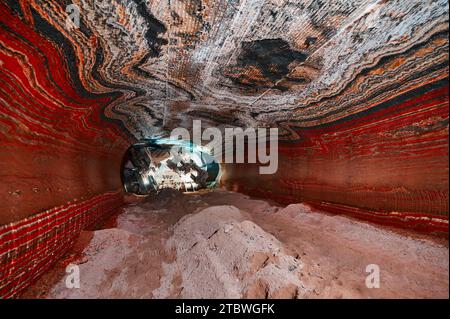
218, 149
154, 164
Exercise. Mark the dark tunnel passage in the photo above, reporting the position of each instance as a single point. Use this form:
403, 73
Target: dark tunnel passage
356, 91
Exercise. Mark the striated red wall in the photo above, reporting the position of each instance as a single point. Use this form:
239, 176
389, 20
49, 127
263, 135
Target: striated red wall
387, 164
59, 157
61, 150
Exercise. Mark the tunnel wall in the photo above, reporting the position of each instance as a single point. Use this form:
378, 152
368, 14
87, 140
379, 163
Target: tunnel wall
60, 154
59, 157
388, 164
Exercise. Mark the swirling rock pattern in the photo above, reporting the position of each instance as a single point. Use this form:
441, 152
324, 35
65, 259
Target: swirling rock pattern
358, 89
390, 162
139, 68
267, 62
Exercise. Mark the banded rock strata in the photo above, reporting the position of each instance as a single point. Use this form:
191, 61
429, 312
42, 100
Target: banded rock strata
358, 89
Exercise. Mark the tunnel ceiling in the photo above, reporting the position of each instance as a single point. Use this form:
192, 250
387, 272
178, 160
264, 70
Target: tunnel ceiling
285, 63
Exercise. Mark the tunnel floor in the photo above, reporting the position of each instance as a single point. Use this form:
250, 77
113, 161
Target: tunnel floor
221, 244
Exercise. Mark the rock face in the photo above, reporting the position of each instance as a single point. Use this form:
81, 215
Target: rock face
156, 64
222, 255
357, 88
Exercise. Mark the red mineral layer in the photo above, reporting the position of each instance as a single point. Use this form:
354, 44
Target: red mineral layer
56, 145
60, 154
390, 166
59, 157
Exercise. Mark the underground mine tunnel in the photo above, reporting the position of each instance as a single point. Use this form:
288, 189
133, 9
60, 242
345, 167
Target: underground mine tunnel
224, 149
